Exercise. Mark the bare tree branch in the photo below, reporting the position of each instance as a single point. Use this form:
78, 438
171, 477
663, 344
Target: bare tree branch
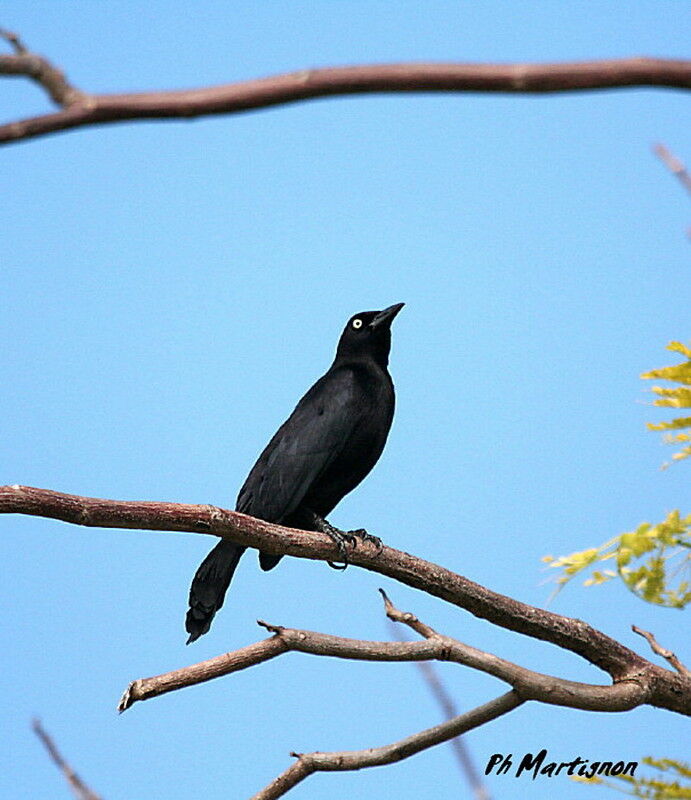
80, 789
80, 109
274, 539
145, 688
662, 651
674, 165
458, 744
40, 70
663, 688
284, 640
527, 684
641, 683
14, 40
308, 763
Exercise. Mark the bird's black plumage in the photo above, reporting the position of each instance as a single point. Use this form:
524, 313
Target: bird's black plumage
322, 451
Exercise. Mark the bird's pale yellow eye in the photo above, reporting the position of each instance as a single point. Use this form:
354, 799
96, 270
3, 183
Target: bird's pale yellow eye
357, 323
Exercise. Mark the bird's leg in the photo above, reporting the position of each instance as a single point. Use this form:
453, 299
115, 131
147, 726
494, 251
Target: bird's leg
341, 537
338, 536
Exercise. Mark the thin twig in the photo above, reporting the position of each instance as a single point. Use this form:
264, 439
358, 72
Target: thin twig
674, 165
448, 707
14, 40
80, 109
80, 789
406, 618
662, 651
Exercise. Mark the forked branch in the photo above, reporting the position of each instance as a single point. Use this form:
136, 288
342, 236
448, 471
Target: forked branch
526, 685
661, 687
40, 70
636, 681
79, 109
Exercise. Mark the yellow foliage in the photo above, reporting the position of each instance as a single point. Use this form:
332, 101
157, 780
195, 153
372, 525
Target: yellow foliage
648, 560
651, 561
676, 397
672, 781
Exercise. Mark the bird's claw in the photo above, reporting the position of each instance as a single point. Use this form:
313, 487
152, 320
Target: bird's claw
362, 534
340, 538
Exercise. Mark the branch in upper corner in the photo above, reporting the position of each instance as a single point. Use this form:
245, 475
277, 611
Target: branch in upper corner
82, 109
308, 763
668, 655
80, 789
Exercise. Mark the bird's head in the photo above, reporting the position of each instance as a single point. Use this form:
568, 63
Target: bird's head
368, 334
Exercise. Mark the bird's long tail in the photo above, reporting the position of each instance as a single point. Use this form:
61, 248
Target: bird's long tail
209, 586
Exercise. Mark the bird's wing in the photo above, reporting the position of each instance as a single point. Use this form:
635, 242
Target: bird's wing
302, 448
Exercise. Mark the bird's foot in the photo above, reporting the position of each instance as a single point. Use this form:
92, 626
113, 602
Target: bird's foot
340, 539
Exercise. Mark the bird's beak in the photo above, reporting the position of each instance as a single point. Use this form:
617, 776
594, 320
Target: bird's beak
386, 316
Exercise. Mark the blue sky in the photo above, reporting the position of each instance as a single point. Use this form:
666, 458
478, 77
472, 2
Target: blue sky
169, 290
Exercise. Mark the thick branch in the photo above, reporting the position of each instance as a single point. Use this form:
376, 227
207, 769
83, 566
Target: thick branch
308, 763
80, 109
666, 689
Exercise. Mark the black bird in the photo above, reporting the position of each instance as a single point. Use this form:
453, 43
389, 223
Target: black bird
322, 451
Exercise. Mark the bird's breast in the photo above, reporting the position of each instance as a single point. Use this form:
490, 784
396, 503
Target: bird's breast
363, 446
